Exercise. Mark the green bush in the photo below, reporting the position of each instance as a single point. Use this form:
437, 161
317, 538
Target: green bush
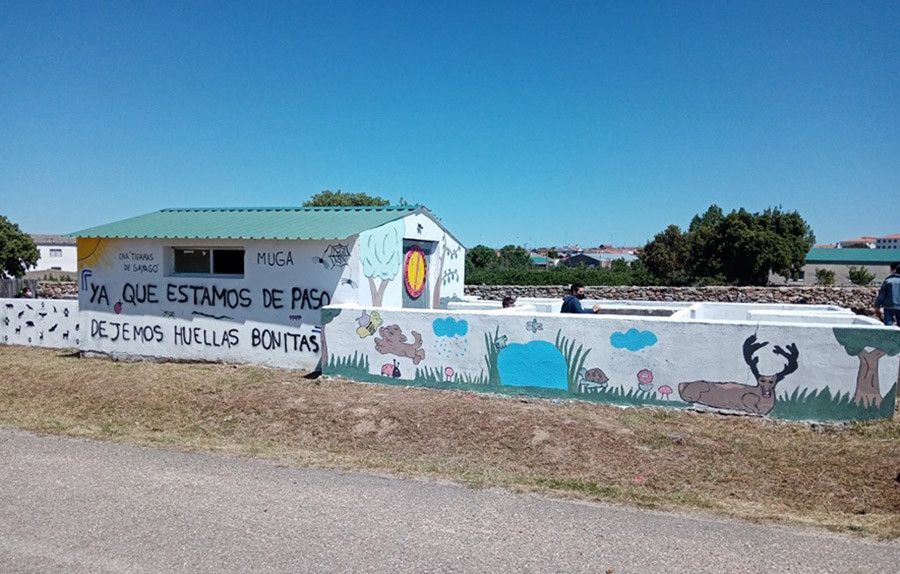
633, 274
824, 277
861, 276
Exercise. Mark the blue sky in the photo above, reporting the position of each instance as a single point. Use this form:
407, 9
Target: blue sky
528, 123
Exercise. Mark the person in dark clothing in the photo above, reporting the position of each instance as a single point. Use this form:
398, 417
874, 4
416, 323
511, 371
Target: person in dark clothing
508, 302
889, 297
572, 301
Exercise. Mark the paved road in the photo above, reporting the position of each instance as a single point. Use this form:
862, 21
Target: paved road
80, 506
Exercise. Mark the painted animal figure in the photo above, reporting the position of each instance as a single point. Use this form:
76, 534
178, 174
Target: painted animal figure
758, 399
394, 342
391, 370
592, 380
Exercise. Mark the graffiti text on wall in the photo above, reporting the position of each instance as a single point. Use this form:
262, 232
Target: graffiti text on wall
195, 336
212, 296
137, 262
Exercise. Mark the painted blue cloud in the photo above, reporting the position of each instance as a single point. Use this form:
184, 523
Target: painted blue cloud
633, 340
450, 327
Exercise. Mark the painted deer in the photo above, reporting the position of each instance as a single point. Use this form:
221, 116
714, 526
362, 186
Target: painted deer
758, 399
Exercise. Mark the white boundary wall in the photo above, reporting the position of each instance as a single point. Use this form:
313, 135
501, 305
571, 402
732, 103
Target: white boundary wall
40, 322
629, 359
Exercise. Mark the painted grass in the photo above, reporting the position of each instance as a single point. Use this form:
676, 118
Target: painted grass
822, 405
574, 359
840, 478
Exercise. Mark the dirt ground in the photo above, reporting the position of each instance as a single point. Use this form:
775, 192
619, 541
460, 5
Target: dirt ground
843, 478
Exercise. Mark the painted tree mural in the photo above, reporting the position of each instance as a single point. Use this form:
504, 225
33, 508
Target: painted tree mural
869, 345
381, 252
443, 275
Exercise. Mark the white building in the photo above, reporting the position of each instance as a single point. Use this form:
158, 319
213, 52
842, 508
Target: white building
248, 284
888, 242
58, 253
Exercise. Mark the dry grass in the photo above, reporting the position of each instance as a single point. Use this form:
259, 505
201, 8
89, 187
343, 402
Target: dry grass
840, 478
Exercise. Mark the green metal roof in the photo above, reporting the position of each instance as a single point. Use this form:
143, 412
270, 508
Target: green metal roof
852, 256
539, 260
252, 223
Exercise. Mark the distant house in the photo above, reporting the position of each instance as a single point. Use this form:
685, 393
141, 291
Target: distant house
58, 253
888, 242
600, 260
864, 242
876, 261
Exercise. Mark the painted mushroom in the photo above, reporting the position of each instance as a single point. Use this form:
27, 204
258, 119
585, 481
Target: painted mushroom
665, 391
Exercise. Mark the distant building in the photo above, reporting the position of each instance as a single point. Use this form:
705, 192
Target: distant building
876, 261
864, 242
600, 260
888, 242
58, 253
541, 260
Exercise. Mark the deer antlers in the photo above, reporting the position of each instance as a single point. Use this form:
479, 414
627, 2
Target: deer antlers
791, 355
751, 347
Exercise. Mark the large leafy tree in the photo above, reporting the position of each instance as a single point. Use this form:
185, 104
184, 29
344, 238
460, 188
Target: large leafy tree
666, 256
328, 198
481, 257
17, 250
514, 257
741, 247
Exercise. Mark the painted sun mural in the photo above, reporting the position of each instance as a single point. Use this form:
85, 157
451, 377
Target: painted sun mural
414, 272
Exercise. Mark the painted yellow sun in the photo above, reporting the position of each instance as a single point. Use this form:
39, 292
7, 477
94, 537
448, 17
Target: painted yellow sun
414, 277
92, 252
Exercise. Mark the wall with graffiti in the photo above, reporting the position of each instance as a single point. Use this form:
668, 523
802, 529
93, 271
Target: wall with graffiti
134, 302
40, 323
787, 371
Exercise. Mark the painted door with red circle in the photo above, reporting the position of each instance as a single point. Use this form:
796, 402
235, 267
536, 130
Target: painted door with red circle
415, 269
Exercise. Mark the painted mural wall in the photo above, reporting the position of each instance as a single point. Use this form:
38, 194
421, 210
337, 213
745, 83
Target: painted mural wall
132, 302
40, 323
785, 371
387, 272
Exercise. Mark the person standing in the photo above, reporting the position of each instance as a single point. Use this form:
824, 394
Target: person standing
888, 297
572, 301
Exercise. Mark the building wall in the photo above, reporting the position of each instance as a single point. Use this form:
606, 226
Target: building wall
67, 260
132, 305
383, 266
842, 272
620, 360
887, 243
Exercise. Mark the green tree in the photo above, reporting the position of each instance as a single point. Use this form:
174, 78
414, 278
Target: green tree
17, 250
666, 256
553, 254
480, 257
869, 345
860, 276
741, 247
328, 198
824, 277
514, 257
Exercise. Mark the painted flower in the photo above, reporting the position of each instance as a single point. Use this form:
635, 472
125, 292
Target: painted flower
645, 376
